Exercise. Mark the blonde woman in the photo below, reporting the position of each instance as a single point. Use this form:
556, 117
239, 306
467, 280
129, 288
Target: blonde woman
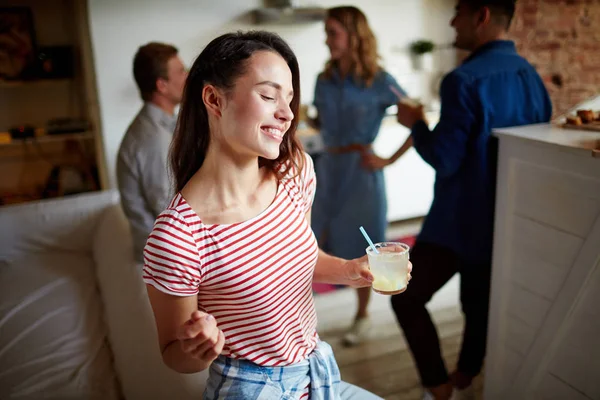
351, 97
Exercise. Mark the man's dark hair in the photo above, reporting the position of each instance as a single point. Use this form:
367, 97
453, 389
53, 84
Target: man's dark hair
502, 11
149, 64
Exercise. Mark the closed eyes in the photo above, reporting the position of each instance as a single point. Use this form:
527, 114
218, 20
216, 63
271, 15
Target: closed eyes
276, 86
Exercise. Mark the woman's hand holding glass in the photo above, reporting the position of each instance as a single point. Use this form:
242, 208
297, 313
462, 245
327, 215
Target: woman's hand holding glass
358, 272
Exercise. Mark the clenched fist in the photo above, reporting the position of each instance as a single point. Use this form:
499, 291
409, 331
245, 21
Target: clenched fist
200, 337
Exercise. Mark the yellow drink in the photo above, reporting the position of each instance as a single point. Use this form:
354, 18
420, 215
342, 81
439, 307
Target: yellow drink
389, 267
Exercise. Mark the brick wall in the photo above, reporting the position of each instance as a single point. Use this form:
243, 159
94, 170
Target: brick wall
562, 39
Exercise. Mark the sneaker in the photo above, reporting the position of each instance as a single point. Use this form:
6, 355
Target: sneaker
427, 395
358, 332
463, 394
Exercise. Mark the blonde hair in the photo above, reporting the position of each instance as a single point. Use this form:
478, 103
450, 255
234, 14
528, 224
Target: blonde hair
362, 43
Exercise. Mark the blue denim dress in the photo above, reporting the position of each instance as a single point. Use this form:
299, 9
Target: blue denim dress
349, 195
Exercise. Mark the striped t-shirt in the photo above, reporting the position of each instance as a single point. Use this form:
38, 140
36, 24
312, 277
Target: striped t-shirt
254, 277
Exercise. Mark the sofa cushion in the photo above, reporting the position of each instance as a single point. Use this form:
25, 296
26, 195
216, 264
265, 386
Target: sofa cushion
132, 330
53, 340
63, 224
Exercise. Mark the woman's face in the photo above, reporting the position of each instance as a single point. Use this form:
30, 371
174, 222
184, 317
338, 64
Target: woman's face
257, 113
338, 39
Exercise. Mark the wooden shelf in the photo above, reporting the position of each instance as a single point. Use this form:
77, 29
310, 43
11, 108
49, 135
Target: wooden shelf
35, 82
29, 161
50, 139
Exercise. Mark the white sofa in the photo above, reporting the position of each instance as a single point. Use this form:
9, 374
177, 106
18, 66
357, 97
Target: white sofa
75, 321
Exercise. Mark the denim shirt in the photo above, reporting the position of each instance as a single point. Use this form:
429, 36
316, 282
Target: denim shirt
238, 379
493, 88
351, 112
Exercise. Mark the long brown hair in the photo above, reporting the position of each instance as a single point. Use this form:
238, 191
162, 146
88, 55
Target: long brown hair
221, 62
363, 44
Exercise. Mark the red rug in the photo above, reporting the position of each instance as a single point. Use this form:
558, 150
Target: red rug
319, 288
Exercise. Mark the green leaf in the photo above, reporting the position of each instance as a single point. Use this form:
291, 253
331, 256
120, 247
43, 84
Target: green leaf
422, 47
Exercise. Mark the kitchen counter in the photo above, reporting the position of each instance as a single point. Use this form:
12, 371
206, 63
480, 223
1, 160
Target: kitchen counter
310, 137
572, 140
544, 320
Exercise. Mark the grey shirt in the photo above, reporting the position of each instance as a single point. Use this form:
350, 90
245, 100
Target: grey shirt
142, 171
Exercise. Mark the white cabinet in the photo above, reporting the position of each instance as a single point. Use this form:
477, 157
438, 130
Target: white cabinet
544, 328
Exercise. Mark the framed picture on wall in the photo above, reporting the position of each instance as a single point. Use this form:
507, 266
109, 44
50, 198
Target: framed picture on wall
17, 43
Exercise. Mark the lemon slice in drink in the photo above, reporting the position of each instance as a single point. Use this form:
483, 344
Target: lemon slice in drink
384, 284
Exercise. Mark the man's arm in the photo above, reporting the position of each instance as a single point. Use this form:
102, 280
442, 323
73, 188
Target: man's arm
155, 175
444, 148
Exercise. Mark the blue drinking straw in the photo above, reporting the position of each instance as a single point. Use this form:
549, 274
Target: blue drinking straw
362, 230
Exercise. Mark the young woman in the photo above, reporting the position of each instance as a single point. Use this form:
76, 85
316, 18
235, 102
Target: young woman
351, 97
230, 263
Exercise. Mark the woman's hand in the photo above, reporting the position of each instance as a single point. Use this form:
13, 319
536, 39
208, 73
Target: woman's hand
358, 273
200, 337
374, 162
409, 277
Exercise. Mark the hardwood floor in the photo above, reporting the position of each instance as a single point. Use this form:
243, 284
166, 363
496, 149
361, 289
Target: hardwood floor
383, 364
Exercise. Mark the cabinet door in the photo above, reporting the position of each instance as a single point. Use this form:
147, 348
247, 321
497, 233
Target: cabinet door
544, 318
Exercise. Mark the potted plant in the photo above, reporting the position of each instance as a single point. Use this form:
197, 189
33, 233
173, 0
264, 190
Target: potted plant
421, 51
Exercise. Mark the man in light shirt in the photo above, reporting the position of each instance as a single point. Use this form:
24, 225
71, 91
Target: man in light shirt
142, 170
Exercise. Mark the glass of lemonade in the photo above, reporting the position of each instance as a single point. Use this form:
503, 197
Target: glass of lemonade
389, 267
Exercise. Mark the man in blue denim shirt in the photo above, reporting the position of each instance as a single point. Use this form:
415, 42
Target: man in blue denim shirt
493, 88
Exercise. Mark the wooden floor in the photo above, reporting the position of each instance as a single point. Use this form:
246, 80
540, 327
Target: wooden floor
383, 364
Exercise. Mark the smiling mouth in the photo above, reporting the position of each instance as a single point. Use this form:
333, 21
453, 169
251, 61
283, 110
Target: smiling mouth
274, 132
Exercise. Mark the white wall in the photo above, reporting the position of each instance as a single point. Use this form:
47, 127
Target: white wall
119, 27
